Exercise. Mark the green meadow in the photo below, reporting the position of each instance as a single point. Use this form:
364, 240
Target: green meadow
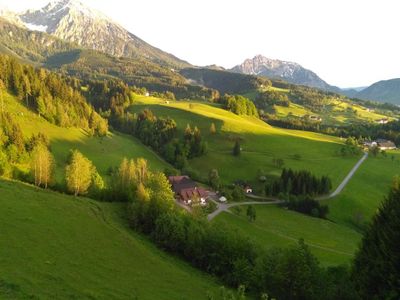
331, 243
54, 246
361, 198
338, 112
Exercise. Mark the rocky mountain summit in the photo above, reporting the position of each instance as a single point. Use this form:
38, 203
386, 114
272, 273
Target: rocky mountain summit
288, 71
74, 22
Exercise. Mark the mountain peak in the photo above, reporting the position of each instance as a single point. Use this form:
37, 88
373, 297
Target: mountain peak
286, 70
271, 63
73, 21
69, 6
49, 17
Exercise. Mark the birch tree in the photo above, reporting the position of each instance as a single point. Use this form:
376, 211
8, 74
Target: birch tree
42, 165
78, 173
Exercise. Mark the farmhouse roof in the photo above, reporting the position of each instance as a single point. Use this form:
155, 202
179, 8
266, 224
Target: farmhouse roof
180, 183
190, 193
385, 143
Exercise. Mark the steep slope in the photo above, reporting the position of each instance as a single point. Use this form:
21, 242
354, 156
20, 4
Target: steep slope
29, 46
54, 246
383, 91
72, 21
105, 152
288, 71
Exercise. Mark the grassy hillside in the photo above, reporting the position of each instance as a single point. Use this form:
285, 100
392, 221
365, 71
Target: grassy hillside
260, 142
363, 195
337, 113
54, 246
105, 152
331, 243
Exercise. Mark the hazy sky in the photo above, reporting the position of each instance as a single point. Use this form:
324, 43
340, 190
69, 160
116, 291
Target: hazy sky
346, 42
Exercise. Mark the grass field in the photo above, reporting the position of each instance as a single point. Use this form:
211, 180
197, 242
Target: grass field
362, 196
104, 152
260, 142
293, 110
54, 246
331, 243
335, 114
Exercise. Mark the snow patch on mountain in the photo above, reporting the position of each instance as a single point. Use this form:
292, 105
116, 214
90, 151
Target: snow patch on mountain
74, 22
34, 27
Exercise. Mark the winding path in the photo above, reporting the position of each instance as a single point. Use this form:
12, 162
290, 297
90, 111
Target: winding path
270, 201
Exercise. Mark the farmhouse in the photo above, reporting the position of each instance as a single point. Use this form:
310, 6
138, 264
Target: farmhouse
187, 191
246, 188
315, 118
385, 144
381, 144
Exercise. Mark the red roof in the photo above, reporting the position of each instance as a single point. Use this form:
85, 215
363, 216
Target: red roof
190, 193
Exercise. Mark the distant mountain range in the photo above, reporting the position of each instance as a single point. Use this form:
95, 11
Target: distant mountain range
289, 71
74, 22
383, 91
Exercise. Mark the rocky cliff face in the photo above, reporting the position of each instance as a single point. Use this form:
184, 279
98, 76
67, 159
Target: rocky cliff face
288, 71
72, 21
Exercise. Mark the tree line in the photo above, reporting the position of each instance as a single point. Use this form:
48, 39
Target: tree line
298, 183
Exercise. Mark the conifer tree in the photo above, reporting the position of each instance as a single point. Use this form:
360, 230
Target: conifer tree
236, 148
376, 268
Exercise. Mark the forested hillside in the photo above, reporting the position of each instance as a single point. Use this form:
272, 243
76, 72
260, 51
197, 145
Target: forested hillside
51, 96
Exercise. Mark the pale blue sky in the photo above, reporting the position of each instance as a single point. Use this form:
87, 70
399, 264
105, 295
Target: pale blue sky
346, 42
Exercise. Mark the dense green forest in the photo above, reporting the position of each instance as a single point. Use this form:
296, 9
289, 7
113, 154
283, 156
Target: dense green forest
299, 183
50, 95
